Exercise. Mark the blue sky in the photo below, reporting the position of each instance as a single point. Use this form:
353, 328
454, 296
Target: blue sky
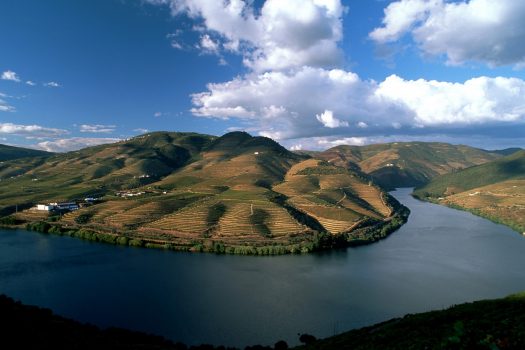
310, 73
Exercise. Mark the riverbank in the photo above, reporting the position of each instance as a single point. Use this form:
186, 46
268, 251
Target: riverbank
440, 257
487, 324
364, 232
494, 213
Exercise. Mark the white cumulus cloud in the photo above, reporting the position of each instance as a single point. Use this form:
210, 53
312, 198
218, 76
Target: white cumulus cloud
30, 130
485, 31
74, 143
329, 121
476, 101
285, 34
290, 105
97, 128
4, 106
52, 84
10, 75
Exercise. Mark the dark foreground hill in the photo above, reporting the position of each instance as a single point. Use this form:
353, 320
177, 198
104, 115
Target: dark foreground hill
495, 190
407, 164
230, 194
489, 324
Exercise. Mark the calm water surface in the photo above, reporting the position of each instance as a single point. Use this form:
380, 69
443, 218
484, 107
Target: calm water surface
439, 258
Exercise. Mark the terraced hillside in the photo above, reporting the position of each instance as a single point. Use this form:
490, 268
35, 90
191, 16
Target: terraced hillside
407, 164
337, 198
495, 190
235, 193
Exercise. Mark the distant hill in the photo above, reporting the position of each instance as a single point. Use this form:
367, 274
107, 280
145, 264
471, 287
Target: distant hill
235, 193
11, 152
506, 151
495, 190
407, 164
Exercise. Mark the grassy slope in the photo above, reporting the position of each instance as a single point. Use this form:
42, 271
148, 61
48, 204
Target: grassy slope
96, 170
495, 190
11, 152
402, 164
203, 191
488, 324
507, 168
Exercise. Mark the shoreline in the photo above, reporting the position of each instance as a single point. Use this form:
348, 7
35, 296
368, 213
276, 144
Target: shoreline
366, 231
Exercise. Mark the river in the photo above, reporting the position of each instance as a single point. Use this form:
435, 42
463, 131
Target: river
439, 258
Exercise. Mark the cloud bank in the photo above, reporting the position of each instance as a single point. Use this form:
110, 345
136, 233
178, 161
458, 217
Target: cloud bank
296, 87
74, 143
486, 31
34, 131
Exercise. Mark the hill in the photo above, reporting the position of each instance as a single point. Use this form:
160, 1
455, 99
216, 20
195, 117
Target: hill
506, 151
235, 193
495, 190
11, 152
98, 170
487, 324
406, 164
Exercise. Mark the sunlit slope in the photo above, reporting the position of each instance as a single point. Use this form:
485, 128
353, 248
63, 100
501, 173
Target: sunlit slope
495, 190
336, 197
98, 170
198, 191
402, 164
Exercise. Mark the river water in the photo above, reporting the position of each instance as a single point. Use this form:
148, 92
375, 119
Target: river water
439, 258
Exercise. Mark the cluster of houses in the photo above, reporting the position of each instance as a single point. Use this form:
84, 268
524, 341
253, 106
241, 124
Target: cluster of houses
65, 206
127, 194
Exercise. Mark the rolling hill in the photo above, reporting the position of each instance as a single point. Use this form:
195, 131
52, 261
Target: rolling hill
235, 193
495, 190
406, 164
11, 152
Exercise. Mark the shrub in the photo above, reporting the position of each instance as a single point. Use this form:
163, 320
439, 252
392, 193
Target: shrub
83, 218
136, 243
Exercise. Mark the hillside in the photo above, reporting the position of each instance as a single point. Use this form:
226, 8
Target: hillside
11, 152
98, 170
235, 193
495, 190
507, 151
487, 324
407, 164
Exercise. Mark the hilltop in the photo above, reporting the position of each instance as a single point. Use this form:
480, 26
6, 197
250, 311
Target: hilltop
495, 190
235, 194
11, 152
407, 164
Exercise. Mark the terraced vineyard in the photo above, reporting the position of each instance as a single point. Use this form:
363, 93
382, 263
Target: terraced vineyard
235, 193
336, 198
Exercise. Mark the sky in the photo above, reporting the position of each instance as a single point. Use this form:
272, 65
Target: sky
311, 74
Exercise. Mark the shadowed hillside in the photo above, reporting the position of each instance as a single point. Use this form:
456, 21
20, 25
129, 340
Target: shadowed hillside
407, 164
488, 324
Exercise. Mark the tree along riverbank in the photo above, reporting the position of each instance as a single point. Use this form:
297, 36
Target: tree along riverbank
366, 231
